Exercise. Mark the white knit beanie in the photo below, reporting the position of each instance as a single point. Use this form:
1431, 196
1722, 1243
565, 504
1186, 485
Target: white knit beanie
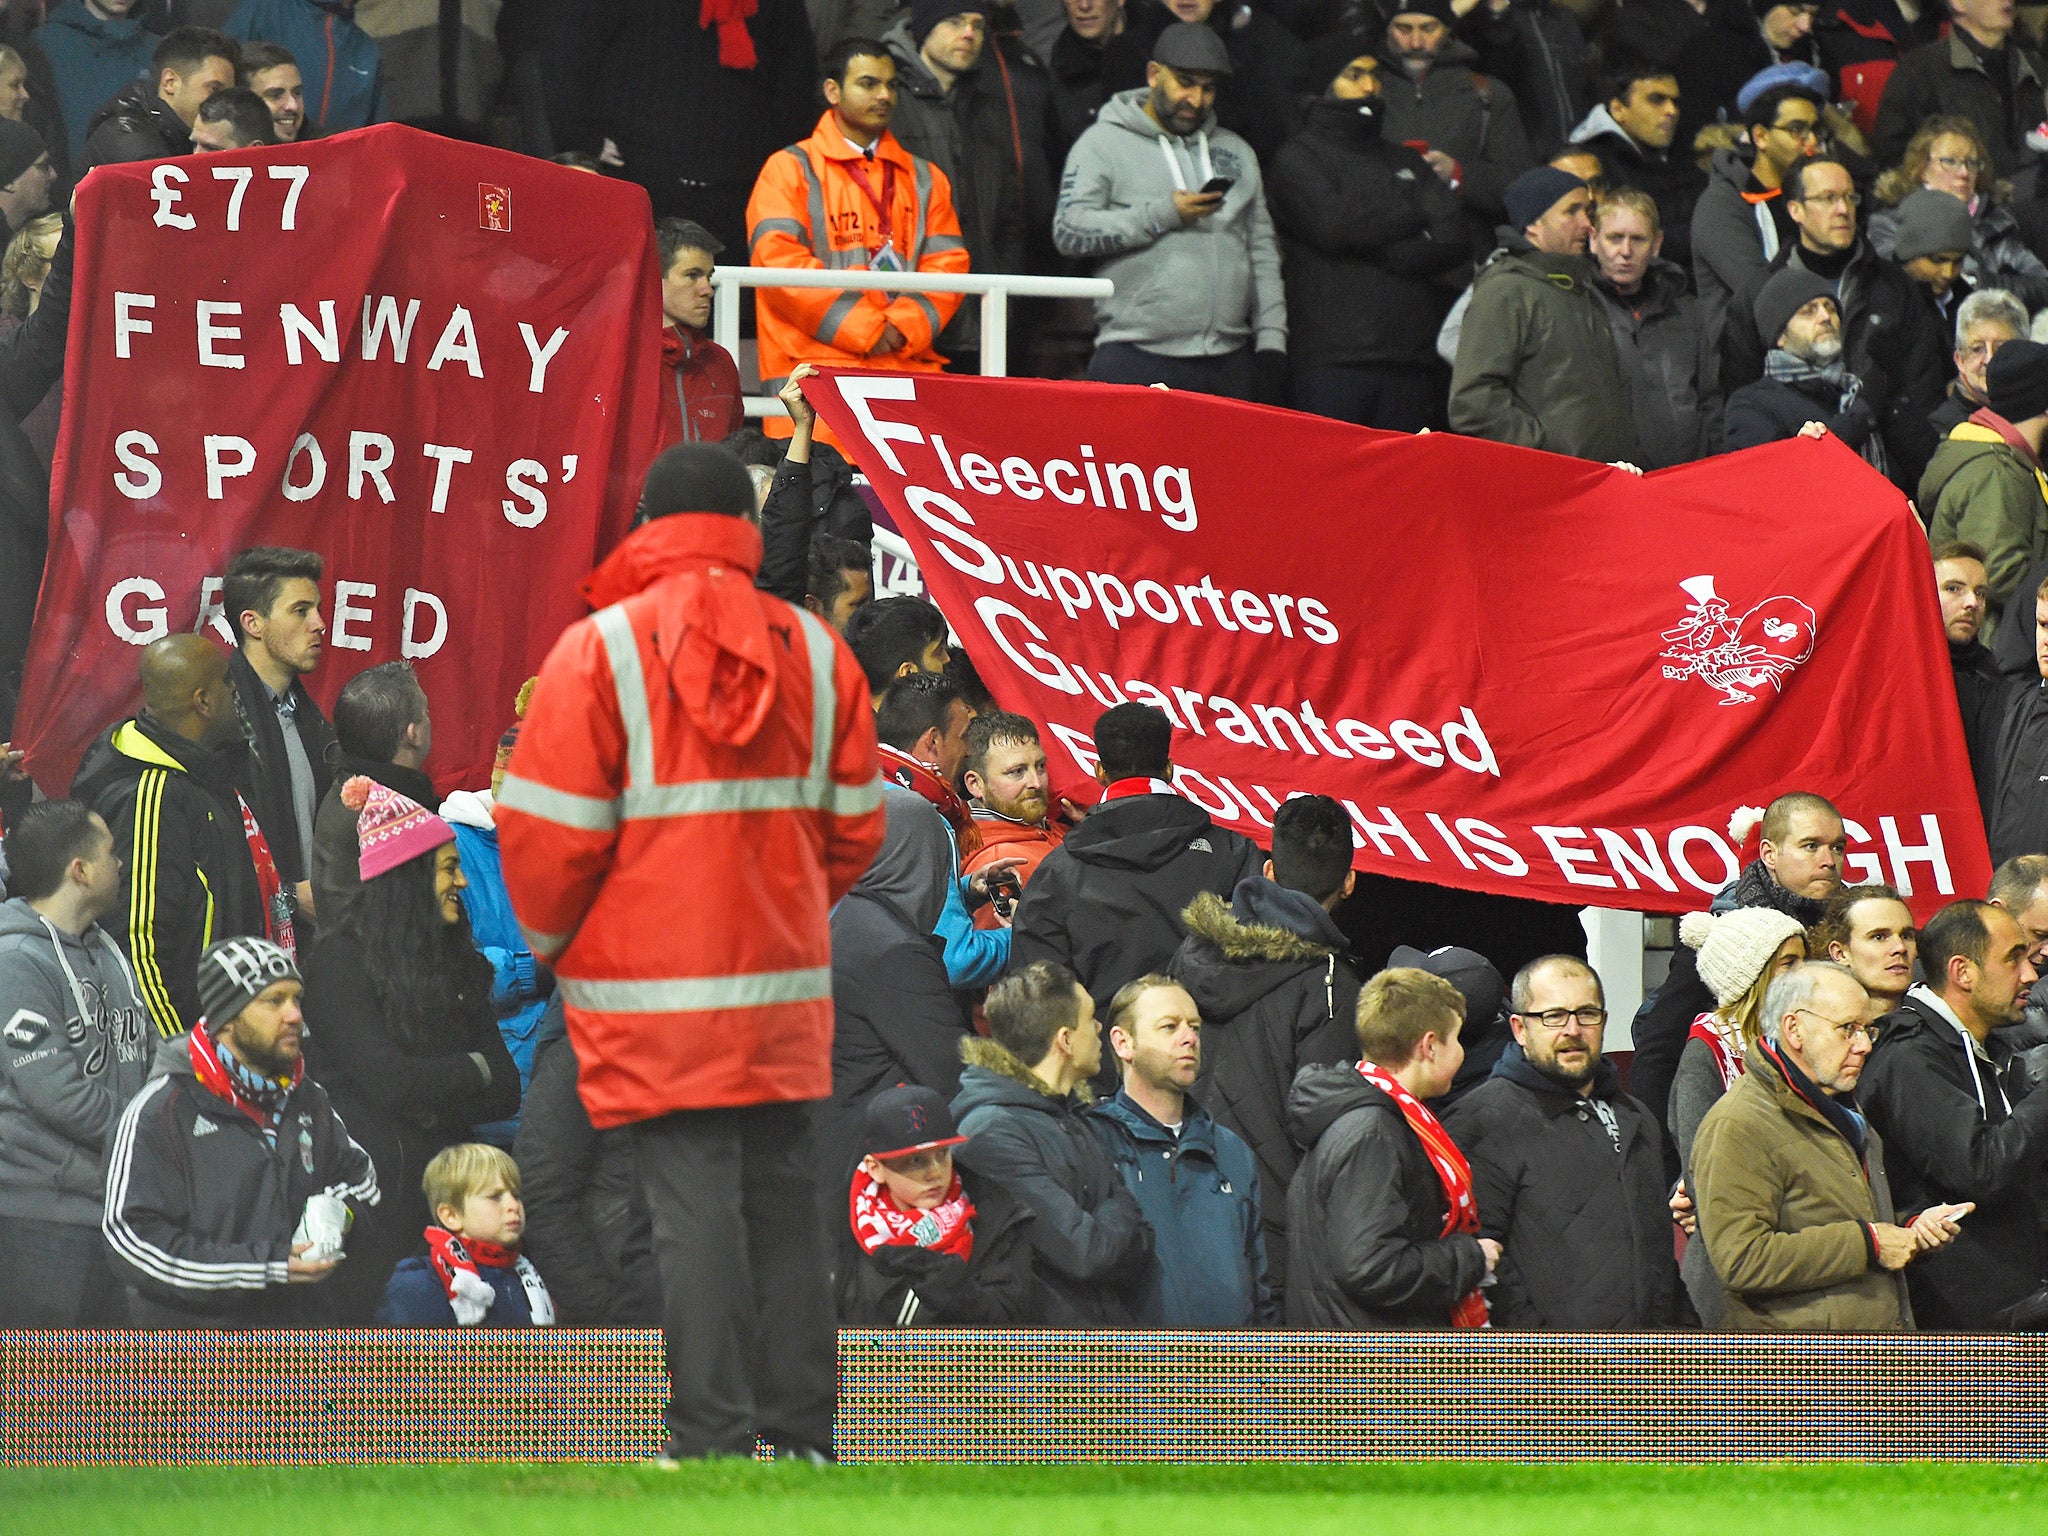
1736, 946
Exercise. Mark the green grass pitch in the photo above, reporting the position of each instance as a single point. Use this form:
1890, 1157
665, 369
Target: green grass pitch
1414, 1499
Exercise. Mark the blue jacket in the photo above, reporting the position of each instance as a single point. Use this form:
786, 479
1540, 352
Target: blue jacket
975, 957
337, 58
1200, 1195
415, 1298
91, 58
514, 988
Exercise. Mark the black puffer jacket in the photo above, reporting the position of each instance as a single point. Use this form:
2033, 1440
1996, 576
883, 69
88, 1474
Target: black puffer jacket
1373, 243
1580, 1212
1107, 902
900, 1287
1278, 991
1365, 1215
1090, 1244
587, 1227
1953, 1130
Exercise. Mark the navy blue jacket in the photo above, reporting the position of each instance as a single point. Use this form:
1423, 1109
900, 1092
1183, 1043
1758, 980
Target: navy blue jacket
1200, 1195
415, 1298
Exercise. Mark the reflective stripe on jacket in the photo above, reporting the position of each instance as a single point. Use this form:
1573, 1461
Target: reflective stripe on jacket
695, 785
808, 210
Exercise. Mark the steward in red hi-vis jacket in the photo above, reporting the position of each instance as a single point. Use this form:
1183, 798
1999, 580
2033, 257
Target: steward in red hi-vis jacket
694, 787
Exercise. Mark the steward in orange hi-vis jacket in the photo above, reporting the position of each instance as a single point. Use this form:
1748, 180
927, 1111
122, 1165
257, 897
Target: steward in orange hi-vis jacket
694, 787
825, 204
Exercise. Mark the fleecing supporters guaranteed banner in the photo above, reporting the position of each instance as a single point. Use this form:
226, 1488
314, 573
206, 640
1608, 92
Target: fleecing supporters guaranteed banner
432, 362
1520, 673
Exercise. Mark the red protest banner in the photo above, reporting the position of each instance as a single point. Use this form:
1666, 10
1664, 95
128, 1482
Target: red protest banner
1521, 673
432, 362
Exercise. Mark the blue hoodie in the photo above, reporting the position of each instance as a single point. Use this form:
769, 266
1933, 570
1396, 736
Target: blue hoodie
92, 58
514, 988
337, 58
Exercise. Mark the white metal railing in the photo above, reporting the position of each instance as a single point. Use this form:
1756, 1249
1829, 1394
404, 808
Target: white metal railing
995, 289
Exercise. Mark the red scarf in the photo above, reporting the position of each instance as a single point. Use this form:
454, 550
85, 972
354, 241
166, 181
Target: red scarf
217, 1080
1462, 1214
1125, 789
922, 779
277, 910
879, 1222
735, 43
456, 1260
1728, 1063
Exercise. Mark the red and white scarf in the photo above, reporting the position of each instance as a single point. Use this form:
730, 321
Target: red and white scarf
277, 907
1126, 789
1726, 1051
879, 1222
470, 1295
1451, 1168
262, 1100
900, 768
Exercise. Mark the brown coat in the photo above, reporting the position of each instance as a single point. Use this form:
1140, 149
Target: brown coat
1785, 1208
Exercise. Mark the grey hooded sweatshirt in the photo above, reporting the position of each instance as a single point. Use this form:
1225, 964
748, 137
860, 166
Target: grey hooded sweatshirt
1204, 289
74, 1049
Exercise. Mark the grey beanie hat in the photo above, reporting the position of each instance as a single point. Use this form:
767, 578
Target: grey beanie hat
1931, 223
1787, 293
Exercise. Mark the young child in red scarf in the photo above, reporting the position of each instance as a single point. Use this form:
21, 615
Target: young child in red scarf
473, 1273
929, 1245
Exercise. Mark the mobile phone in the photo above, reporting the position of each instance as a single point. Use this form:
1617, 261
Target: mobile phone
1217, 186
1004, 891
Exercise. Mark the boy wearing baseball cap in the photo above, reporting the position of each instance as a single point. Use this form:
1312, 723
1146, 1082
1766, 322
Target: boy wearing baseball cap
929, 1245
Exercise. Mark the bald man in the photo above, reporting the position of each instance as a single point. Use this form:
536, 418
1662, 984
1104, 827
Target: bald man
167, 783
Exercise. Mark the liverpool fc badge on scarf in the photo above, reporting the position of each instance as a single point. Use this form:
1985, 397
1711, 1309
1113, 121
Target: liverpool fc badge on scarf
305, 1145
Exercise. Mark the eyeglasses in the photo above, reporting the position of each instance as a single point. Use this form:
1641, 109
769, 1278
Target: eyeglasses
1951, 163
1557, 1018
1803, 128
1828, 199
1847, 1029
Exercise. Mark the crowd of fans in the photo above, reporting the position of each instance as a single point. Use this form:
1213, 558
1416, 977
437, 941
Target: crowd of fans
769, 988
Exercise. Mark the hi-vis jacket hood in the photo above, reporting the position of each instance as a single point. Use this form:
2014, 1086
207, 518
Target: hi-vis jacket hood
709, 629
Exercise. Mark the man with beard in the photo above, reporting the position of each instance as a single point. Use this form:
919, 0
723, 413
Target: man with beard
1568, 1169
1467, 125
1797, 868
1010, 792
1805, 391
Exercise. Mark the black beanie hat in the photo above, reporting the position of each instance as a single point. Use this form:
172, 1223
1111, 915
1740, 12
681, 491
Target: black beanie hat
1789, 291
1326, 58
20, 147
926, 14
697, 477
1440, 9
2016, 383
1535, 192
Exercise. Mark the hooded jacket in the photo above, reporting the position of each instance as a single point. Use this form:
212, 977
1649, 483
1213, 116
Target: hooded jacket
1579, 1209
1983, 487
903, 1287
520, 985
1277, 987
1365, 1215
1955, 1128
697, 725
187, 877
74, 1050
1107, 902
587, 1227
135, 124
1090, 1243
1734, 239
1005, 838
1668, 364
896, 1018
1785, 1208
1670, 176
92, 58
1536, 362
338, 59
1469, 116
270, 774
1373, 243
200, 1208
700, 397
1199, 1190
337, 851
2018, 820
1204, 289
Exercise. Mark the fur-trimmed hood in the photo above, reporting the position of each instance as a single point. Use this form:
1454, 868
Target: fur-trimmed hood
1209, 918
1239, 953
1003, 1079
